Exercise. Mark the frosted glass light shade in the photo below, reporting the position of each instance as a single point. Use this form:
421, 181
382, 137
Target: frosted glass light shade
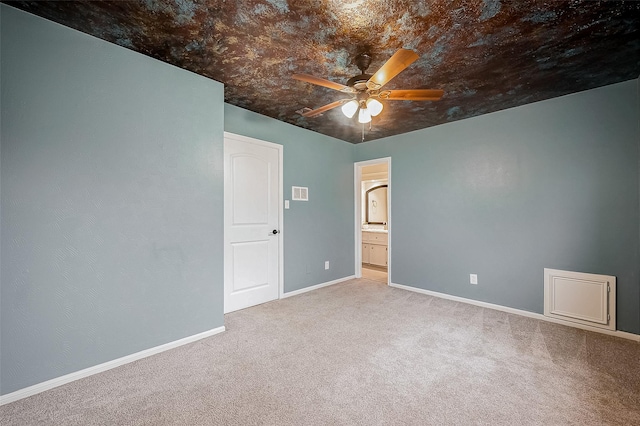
374, 106
364, 116
350, 108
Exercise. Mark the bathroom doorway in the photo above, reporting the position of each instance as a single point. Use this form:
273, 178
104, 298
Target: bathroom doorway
373, 219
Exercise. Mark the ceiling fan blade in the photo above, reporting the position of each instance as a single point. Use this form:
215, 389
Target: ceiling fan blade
411, 95
327, 107
322, 82
398, 62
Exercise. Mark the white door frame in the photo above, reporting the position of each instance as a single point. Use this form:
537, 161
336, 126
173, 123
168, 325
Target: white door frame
280, 203
357, 176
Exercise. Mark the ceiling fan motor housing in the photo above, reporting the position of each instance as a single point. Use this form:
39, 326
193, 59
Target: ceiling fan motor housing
359, 82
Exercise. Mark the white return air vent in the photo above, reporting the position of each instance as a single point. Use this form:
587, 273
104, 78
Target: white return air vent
588, 299
299, 193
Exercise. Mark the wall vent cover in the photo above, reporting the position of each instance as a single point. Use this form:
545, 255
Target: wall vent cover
588, 299
299, 193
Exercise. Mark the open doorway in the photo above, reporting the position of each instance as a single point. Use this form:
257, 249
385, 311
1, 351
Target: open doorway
373, 219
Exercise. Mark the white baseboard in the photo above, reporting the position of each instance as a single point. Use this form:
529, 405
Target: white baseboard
62, 380
617, 333
317, 286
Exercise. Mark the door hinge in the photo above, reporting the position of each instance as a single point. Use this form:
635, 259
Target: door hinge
608, 317
608, 287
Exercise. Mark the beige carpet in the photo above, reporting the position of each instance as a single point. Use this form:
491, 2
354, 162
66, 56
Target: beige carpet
361, 353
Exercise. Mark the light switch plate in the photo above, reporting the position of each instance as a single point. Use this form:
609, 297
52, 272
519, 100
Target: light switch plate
286, 204
473, 278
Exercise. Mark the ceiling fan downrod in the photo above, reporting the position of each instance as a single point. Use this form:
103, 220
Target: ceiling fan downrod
362, 61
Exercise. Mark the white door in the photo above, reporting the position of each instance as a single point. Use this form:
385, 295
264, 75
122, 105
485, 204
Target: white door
251, 222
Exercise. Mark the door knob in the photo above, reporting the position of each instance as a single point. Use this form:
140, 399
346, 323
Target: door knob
275, 231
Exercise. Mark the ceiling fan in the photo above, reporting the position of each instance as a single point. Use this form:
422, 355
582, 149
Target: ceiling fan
366, 89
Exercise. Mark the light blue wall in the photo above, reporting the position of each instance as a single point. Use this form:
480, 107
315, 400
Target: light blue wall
552, 184
111, 201
322, 228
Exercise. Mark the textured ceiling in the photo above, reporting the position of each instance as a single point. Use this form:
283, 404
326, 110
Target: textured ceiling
486, 55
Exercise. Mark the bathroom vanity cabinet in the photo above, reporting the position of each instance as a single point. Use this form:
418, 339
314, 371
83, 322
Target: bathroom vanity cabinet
374, 248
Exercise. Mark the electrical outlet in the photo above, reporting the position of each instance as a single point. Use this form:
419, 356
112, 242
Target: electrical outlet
473, 278
326, 264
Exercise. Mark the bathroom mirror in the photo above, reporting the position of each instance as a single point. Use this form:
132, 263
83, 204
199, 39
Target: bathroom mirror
376, 211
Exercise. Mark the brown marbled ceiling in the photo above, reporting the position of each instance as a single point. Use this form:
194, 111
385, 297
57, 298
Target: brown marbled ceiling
486, 55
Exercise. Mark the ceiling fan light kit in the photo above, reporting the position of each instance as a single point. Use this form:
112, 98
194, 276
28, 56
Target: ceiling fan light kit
365, 88
375, 106
349, 109
364, 116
